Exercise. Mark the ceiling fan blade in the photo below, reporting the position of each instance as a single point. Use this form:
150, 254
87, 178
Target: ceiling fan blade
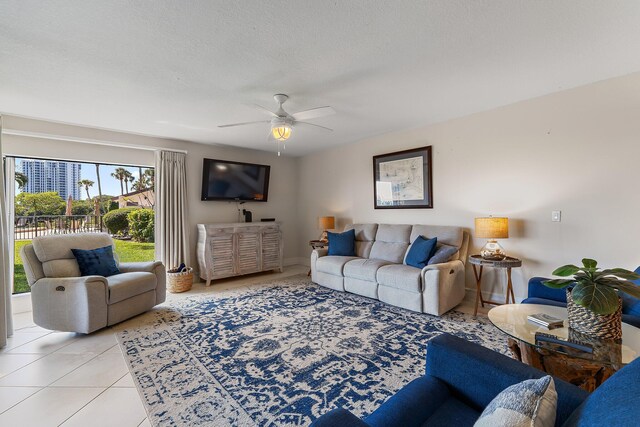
314, 113
266, 110
244, 123
312, 124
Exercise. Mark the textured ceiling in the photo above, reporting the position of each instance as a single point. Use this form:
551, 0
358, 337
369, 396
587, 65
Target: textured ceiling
180, 68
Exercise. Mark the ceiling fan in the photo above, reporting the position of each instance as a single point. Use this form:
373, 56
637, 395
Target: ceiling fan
282, 123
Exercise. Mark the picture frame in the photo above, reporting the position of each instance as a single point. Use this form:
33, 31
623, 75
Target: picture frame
403, 179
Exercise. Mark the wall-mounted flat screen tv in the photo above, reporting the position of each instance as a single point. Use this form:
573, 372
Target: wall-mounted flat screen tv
226, 180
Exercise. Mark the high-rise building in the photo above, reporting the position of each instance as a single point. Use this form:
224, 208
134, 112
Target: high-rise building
44, 175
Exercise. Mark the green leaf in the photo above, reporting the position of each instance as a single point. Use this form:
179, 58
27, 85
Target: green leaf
557, 283
622, 273
566, 270
629, 288
589, 263
599, 299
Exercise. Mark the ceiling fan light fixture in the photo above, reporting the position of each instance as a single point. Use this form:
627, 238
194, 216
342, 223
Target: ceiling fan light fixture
281, 132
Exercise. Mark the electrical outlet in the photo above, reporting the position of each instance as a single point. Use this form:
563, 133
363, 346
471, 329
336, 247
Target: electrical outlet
556, 216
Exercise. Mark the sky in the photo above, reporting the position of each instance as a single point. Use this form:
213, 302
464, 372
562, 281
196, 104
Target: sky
110, 185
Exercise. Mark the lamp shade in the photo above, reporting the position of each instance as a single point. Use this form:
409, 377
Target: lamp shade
326, 223
281, 132
492, 227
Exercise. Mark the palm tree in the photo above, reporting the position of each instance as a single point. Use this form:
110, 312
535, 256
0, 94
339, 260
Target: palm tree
127, 179
120, 174
21, 179
86, 183
149, 178
99, 186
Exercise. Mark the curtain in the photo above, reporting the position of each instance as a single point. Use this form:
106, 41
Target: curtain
172, 226
6, 324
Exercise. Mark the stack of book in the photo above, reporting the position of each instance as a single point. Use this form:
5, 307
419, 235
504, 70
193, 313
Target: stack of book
545, 320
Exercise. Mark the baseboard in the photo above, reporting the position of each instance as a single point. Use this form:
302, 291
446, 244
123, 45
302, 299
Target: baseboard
21, 303
470, 295
296, 261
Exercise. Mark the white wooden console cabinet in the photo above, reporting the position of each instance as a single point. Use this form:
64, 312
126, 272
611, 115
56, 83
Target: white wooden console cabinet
233, 249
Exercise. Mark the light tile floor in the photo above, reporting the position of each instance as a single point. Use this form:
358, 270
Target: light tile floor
52, 378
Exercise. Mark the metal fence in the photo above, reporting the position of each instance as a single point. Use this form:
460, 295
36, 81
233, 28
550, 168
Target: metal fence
28, 227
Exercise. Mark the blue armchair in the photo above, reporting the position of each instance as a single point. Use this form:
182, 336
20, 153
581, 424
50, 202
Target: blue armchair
541, 294
461, 379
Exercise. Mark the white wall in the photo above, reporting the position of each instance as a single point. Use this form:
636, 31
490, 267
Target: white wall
282, 187
577, 151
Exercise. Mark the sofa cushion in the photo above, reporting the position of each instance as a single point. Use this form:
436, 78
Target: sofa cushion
364, 232
48, 248
365, 235
630, 305
392, 241
400, 276
448, 235
96, 262
363, 269
420, 251
452, 412
333, 264
443, 253
342, 244
126, 285
61, 268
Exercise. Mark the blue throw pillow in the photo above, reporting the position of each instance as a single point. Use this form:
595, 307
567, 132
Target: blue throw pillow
96, 262
343, 244
420, 251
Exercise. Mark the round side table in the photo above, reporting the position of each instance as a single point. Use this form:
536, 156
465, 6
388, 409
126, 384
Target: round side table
508, 263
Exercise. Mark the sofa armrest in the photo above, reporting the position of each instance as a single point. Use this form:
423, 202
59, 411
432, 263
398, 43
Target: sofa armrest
536, 289
443, 286
156, 267
148, 266
412, 405
73, 304
320, 252
338, 417
476, 374
315, 254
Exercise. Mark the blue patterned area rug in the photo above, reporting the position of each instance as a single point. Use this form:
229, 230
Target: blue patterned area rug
281, 354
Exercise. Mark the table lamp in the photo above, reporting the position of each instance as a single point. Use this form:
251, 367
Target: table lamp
492, 228
326, 223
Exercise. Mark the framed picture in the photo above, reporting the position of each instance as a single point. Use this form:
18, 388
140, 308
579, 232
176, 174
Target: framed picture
402, 180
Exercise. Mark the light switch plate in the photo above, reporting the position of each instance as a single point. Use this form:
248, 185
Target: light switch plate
556, 216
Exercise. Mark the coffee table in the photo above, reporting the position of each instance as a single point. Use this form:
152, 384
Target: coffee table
585, 369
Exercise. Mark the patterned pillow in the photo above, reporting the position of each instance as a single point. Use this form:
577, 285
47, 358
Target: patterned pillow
529, 403
96, 262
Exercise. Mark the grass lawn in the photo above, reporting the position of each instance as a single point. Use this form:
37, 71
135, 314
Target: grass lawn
127, 250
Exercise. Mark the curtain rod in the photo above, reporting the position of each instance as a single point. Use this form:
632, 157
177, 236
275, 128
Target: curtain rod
86, 140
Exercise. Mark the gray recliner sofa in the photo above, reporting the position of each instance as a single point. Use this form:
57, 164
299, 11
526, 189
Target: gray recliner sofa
377, 271
65, 301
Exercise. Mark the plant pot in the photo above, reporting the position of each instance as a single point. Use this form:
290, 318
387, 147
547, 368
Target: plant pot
585, 321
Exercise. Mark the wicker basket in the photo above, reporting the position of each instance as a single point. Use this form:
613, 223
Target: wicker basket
606, 327
179, 281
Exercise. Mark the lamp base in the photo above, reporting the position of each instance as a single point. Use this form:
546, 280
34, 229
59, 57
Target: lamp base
323, 237
493, 251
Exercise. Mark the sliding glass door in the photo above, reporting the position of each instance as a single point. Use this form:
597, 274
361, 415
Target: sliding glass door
64, 197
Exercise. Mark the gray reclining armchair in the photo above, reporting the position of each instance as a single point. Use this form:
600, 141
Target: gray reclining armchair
65, 301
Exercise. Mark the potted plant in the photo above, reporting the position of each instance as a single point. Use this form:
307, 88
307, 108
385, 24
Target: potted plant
593, 302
